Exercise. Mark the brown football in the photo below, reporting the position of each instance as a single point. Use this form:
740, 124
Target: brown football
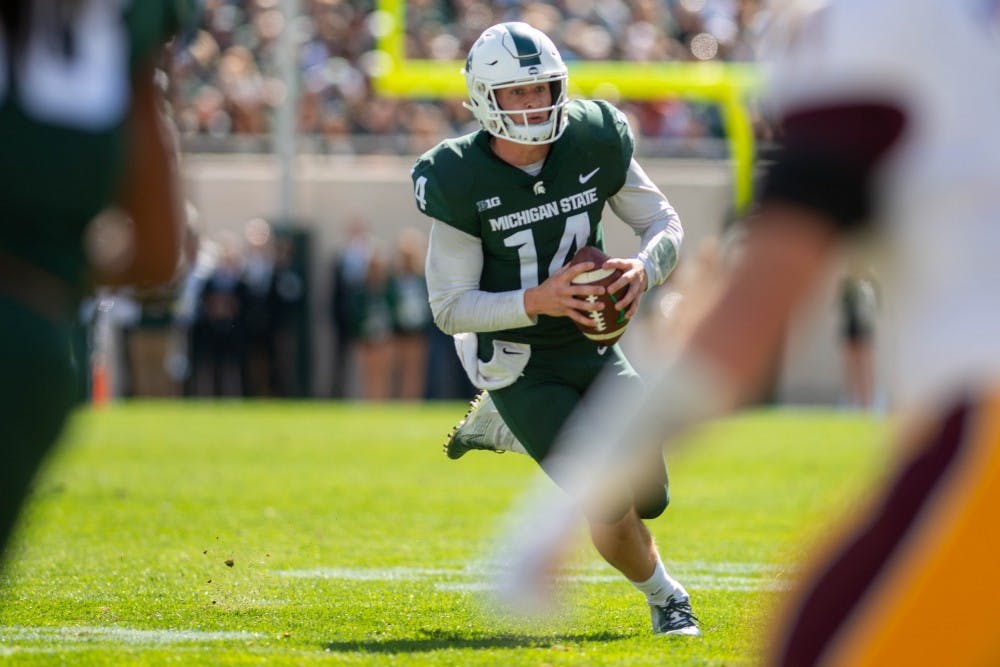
609, 324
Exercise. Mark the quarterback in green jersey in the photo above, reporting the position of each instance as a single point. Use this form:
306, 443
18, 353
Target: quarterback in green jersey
80, 131
510, 204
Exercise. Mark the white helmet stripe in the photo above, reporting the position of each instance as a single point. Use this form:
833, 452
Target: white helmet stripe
527, 50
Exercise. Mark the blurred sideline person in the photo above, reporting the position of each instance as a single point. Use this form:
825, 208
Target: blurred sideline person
350, 266
373, 310
858, 304
216, 335
257, 310
411, 315
511, 203
884, 135
80, 131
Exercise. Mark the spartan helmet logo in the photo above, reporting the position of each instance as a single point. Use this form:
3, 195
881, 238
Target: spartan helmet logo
539, 188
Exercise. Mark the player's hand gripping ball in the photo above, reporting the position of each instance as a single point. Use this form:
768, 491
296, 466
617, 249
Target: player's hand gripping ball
608, 324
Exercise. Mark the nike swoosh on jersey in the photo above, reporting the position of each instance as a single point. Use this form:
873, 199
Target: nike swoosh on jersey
586, 177
510, 350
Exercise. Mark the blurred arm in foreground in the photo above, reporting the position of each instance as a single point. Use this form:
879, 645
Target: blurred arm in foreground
89, 194
885, 135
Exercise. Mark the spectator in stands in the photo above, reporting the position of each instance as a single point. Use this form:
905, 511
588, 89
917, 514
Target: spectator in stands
243, 86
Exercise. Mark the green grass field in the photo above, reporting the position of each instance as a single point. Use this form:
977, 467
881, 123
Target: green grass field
322, 533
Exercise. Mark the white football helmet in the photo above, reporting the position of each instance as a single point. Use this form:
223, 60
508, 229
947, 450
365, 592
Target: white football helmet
515, 54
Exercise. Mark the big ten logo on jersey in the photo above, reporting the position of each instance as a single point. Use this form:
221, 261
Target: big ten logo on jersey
487, 204
73, 69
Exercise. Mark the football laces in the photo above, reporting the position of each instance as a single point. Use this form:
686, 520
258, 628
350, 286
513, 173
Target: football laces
596, 315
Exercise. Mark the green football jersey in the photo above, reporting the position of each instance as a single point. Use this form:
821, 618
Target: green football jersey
529, 225
62, 108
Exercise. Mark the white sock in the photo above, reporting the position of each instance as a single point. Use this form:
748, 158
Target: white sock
661, 586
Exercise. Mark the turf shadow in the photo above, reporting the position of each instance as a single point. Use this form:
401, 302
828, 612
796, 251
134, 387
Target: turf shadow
435, 641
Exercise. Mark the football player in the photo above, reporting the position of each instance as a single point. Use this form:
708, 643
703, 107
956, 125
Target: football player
510, 205
888, 112
80, 131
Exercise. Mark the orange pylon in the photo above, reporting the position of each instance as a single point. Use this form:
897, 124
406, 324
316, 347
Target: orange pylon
100, 387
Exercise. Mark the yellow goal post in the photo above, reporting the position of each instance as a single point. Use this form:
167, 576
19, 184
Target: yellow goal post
727, 85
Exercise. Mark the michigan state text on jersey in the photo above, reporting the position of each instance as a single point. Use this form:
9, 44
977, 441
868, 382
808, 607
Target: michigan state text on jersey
530, 225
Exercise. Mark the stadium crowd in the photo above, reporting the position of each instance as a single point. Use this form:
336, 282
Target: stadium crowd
225, 84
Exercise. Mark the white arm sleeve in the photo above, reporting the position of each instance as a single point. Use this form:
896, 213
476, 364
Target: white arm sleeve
454, 267
645, 209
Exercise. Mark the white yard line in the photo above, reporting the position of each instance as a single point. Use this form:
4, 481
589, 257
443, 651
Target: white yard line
704, 575
370, 574
111, 633
471, 578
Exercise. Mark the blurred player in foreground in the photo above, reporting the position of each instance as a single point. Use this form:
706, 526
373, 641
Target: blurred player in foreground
80, 131
889, 114
511, 203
